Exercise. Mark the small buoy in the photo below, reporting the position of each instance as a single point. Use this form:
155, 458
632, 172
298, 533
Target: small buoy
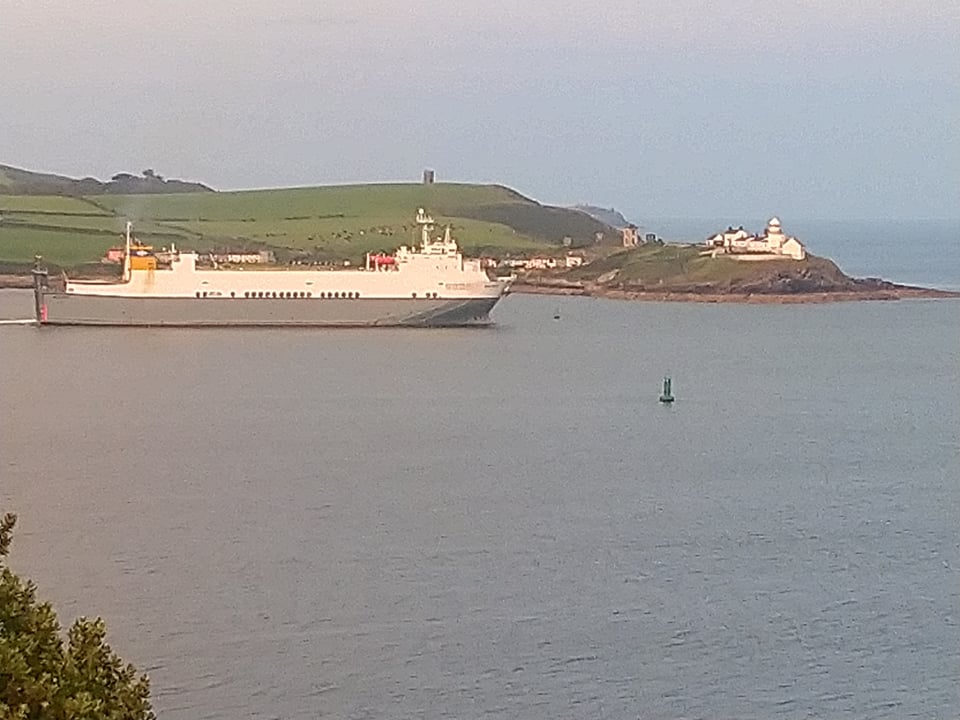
666, 396
556, 314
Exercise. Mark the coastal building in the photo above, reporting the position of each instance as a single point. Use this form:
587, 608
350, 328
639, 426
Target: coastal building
243, 257
771, 244
543, 262
113, 255
629, 236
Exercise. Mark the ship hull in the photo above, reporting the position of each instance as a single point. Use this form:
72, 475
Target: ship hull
74, 309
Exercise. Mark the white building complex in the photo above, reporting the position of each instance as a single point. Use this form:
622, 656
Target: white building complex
772, 244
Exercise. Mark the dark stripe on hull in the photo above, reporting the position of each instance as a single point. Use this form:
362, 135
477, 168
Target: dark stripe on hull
68, 309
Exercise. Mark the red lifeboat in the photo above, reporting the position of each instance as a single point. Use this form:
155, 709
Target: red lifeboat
380, 260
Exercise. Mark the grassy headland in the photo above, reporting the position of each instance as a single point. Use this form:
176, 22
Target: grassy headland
319, 223
684, 272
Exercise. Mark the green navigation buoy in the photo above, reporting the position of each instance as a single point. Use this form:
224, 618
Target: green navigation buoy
666, 396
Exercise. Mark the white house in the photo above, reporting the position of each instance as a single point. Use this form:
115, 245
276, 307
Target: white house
773, 243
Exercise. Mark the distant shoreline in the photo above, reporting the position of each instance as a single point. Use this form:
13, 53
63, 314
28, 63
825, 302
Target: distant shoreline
15, 282
896, 292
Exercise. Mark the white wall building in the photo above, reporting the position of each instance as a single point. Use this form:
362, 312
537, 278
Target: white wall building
773, 243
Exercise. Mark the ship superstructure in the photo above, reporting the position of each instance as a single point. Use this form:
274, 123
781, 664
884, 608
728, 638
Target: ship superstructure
429, 285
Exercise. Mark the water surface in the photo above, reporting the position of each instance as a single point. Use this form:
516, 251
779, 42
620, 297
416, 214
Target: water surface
504, 522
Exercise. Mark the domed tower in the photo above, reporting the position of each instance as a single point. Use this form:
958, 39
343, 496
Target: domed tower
774, 234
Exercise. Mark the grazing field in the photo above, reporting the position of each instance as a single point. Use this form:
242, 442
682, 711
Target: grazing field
400, 200
48, 204
18, 246
323, 223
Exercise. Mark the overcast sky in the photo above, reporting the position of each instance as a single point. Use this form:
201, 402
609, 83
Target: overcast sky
814, 109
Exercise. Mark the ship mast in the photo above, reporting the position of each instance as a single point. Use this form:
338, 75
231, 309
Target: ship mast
126, 254
426, 225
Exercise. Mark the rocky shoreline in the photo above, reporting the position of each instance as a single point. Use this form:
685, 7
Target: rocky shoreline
8, 282
888, 291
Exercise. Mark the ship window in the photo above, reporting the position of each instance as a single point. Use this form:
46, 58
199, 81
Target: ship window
232, 294
413, 295
197, 293
309, 294
356, 294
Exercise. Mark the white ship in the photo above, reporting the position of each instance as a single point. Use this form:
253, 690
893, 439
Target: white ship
429, 286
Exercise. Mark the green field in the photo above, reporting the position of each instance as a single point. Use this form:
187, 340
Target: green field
671, 267
48, 204
18, 246
328, 223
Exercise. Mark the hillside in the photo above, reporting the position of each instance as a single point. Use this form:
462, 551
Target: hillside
608, 216
664, 272
16, 181
314, 223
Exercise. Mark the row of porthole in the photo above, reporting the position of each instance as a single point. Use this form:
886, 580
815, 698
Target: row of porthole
427, 295
286, 295
283, 295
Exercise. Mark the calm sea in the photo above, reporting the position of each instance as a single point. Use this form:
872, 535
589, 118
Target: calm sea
505, 523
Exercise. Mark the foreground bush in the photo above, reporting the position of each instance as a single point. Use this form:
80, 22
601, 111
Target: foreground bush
44, 678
